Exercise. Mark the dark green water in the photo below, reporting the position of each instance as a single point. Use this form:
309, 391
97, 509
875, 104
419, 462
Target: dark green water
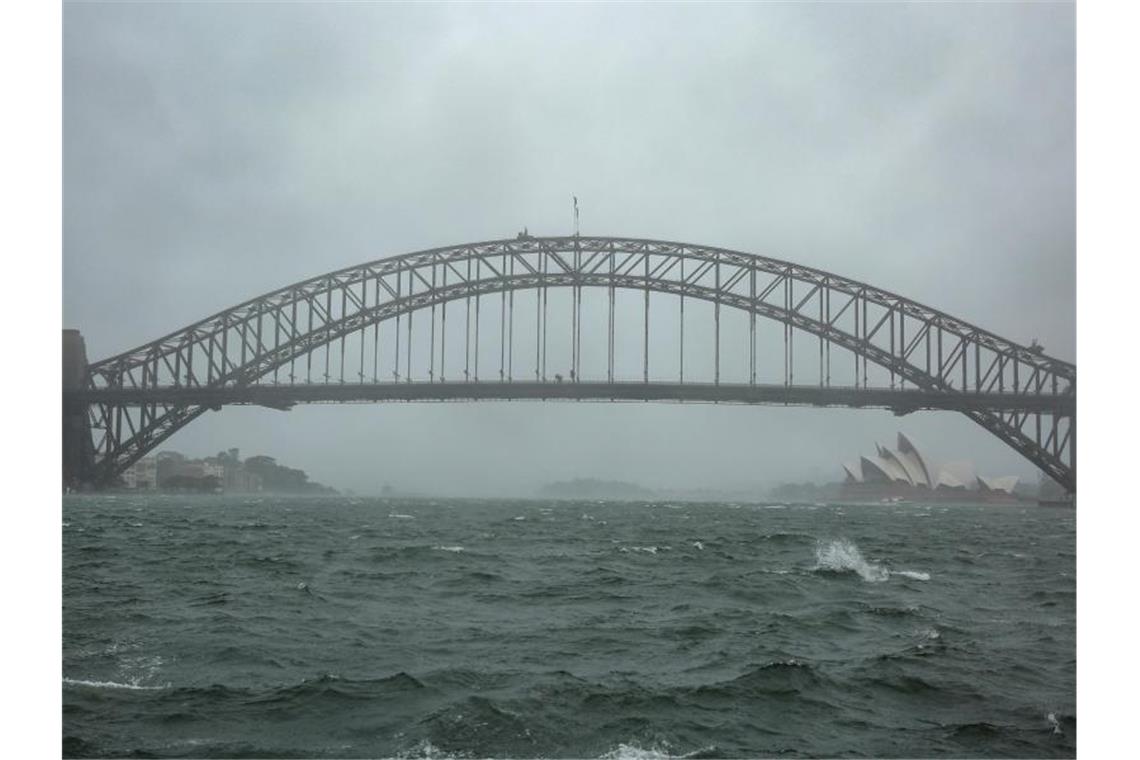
206, 627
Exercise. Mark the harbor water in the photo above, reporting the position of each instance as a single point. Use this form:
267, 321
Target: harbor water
259, 626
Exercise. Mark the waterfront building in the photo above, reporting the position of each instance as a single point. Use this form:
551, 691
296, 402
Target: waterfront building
142, 475
223, 473
905, 473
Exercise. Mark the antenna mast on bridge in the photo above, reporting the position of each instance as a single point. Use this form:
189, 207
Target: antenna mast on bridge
575, 216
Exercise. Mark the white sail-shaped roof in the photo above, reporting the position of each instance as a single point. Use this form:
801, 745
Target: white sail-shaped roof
909, 453
907, 464
946, 480
1004, 484
873, 471
961, 471
892, 466
881, 470
899, 462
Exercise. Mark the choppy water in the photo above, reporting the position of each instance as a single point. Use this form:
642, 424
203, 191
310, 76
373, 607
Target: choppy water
350, 627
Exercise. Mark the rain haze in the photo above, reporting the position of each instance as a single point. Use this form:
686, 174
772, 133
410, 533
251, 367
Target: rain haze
215, 152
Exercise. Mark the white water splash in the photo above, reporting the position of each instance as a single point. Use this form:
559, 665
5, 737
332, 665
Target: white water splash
843, 556
916, 575
643, 549
138, 668
448, 548
658, 752
111, 685
928, 635
402, 517
699, 545
1056, 724
427, 751
634, 752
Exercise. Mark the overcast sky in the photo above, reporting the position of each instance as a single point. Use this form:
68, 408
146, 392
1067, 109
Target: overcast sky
216, 151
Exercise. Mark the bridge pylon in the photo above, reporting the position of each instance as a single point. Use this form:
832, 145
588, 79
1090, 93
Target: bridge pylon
78, 453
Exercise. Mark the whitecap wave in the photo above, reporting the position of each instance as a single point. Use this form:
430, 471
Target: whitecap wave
916, 575
425, 750
642, 549
402, 517
448, 548
928, 637
111, 685
634, 751
843, 556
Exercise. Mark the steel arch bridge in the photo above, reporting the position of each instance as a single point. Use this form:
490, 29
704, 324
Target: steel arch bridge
296, 344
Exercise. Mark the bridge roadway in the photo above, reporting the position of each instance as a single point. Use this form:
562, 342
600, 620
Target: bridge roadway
901, 401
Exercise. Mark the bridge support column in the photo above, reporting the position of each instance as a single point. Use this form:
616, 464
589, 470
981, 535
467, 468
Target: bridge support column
78, 453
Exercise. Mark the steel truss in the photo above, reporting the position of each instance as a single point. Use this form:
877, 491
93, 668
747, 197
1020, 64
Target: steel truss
139, 398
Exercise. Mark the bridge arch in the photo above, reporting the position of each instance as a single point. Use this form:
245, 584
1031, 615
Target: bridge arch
138, 398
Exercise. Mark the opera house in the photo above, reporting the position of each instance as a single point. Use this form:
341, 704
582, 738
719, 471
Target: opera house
906, 473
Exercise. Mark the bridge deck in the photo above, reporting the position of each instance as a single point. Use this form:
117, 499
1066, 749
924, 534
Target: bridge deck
284, 396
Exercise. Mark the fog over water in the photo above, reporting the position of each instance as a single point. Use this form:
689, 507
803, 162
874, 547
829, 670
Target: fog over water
214, 152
